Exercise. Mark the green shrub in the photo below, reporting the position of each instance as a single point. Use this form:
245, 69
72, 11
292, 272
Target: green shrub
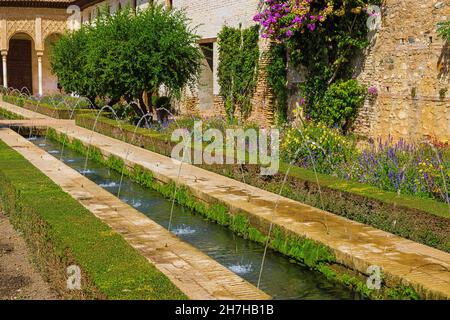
61, 232
444, 30
340, 104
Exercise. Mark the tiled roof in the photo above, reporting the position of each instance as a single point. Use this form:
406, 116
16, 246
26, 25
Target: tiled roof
35, 3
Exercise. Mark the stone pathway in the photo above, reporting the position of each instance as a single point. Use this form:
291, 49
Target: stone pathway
196, 274
356, 245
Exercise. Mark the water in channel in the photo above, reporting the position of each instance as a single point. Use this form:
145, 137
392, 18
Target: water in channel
282, 279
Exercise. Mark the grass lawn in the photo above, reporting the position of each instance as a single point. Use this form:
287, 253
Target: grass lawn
73, 235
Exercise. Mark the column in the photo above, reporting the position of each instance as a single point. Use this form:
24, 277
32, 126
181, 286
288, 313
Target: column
216, 87
40, 72
5, 69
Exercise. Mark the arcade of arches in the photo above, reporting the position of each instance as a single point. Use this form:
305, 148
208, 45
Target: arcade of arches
26, 38
28, 29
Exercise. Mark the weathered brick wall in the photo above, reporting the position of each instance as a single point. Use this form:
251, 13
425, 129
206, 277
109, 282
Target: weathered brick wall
262, 100
409, 64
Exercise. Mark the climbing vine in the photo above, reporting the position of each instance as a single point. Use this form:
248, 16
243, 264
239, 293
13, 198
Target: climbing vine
238, 67
277, 80
322, 36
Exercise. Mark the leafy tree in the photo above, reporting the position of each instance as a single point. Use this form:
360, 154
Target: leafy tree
128, 54
68, 62
167, 53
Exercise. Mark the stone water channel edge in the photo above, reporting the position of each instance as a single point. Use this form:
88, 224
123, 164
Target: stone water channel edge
356, 246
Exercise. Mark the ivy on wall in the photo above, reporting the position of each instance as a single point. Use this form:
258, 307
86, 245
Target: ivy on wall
277, 80
238, 67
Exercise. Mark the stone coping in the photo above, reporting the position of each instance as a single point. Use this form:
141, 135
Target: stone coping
356, 246
197, 275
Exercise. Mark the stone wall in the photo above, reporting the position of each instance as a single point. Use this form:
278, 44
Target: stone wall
409, 65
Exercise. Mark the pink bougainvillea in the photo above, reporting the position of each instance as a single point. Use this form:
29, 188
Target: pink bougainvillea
280, 19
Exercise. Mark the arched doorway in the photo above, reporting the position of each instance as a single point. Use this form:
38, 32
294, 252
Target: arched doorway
20, 63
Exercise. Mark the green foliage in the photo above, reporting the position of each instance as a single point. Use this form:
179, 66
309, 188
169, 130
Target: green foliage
127, 54
69, 62
238, 67
304, 250
444, 30
327, 52
17, 100
340, 104
69, 234
5, 114
356, 284
403, 293
277, 79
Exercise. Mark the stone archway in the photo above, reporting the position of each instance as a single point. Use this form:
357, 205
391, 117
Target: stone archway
20, 62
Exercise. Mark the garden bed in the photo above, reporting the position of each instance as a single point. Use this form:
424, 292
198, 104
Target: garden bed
68, 234
45, 108
422, 220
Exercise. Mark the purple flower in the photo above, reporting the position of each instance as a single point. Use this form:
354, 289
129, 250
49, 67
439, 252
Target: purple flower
311, 26
372, 90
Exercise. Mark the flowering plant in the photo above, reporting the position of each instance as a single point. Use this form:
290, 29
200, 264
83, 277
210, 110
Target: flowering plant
322, 38
316, 146
421, 170
281, 18
372, 91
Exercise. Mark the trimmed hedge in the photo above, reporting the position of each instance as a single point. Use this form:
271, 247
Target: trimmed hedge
314, 255
61, 232
422, 220
45, 108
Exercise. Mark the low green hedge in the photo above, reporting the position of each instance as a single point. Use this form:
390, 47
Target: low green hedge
422, 220
309, 253
61, 232
45, 108
18, 101
5, 114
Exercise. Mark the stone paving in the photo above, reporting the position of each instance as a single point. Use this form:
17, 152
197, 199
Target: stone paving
356, 245
196, 274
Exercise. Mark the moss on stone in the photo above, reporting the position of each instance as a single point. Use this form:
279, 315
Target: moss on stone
314, 255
